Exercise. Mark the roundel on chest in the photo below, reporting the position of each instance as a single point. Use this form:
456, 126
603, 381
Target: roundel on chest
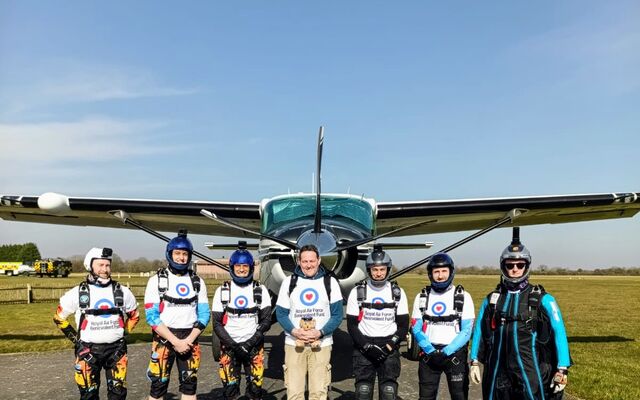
309, 297
182, 289
438, 308
241, 302
104, 304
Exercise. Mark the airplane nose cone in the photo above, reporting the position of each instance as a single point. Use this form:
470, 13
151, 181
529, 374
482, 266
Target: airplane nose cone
324, 241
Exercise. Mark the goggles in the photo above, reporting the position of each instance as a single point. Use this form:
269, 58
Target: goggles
518, 264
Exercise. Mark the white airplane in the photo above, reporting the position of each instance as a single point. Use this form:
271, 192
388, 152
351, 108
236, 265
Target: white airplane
342, 226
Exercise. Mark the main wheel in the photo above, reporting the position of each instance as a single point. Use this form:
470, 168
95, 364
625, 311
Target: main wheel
413, 350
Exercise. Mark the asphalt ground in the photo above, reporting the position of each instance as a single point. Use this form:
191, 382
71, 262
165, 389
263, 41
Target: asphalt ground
49, 375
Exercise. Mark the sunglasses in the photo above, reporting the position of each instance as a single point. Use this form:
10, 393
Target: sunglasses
519, 265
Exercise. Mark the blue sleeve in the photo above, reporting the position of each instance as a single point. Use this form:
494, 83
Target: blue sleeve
282, 314
461, 339
152, 314
335, 320
204, 314
550, 306
421, 338
477, 331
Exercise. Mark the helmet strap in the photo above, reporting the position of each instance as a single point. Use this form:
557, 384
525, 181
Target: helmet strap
94, 279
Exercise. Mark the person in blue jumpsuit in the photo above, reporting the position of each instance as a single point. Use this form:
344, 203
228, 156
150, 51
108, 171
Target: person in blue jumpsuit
519, 336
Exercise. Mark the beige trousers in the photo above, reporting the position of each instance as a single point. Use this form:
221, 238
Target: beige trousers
300, 361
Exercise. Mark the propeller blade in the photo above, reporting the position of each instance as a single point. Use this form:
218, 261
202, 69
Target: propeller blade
317, 227
230, 224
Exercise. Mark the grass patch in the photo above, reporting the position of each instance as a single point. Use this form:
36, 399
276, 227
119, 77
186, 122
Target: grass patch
603, 326
600, 313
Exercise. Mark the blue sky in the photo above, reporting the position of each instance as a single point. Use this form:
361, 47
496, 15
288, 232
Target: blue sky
420, 100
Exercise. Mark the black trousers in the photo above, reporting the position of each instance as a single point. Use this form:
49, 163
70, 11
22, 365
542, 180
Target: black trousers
456, 370
366, 371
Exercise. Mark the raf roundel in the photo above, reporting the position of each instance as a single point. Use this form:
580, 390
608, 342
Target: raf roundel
104, 304
439, 308
309, 297
241, 302
182, 289
377, 300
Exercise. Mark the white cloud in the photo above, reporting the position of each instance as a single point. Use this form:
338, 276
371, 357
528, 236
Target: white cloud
75, 82
91, 138
98, 84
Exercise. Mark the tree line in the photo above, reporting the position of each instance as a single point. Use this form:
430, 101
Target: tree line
26, 253
544, 270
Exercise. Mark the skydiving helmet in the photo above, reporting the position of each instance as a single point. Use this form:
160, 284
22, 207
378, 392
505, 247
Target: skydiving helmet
378, 258
241, 256
97, 253
515, 251
441, 260
179, 242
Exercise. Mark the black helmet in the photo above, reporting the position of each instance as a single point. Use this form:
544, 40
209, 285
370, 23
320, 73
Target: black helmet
441, 260
515, 251
378, 258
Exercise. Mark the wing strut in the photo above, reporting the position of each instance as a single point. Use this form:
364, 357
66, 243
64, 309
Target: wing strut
126, 219
510, 217
356, 243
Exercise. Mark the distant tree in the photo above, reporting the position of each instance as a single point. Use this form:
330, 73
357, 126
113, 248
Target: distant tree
29, 253
10, 252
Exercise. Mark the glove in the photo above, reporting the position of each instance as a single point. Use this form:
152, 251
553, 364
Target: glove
375, 353
559, 380
242, 350
394, 343
437, 356
474, 372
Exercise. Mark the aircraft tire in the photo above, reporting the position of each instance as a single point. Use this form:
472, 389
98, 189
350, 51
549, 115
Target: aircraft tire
413, 350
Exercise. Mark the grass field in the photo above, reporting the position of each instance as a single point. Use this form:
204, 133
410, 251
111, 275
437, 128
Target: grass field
601, 314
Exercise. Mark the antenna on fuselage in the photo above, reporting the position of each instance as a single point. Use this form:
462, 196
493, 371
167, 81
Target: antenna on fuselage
317, 226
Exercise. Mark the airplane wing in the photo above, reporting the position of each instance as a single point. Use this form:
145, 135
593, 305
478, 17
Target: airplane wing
451, 215
473, 214
160, 215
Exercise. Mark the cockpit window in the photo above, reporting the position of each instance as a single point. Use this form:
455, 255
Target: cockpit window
284, 211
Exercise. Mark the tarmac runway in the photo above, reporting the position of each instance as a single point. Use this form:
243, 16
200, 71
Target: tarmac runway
49, 375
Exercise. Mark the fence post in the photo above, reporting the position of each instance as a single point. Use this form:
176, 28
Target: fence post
29, 294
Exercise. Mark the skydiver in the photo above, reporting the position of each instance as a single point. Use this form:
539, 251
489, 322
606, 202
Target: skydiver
442, 321
378, 320
519, 336
310, 293
105, 312
241, 316
177, 309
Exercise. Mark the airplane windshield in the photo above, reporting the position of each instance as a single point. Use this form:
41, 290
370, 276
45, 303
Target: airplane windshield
280, 212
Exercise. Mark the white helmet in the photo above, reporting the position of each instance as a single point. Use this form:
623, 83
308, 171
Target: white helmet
95, 254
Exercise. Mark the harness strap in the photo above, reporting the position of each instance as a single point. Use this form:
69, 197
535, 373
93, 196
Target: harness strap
175, 300
163, 286
446, 318
378, 306
240, 311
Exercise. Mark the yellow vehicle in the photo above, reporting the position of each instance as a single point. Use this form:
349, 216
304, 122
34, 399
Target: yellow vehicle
51, 267
15, 268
